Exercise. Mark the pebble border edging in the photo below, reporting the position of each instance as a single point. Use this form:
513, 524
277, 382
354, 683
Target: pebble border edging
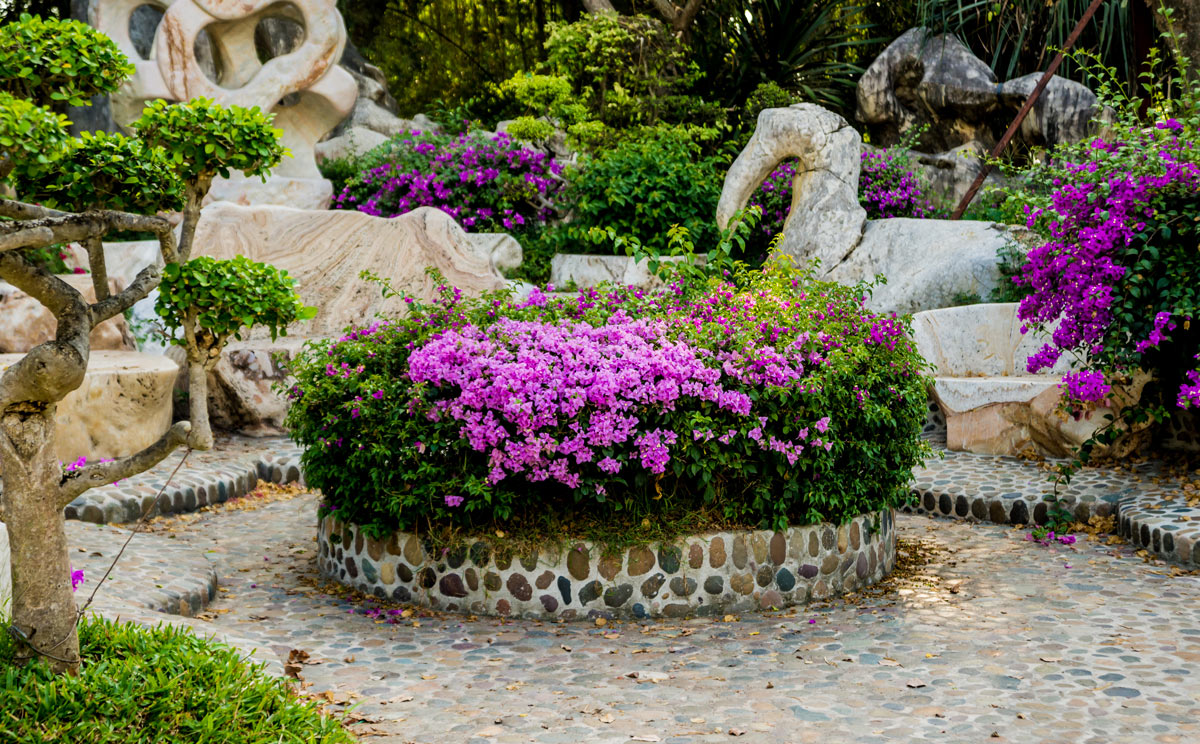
724, 572
959, 485
226, 475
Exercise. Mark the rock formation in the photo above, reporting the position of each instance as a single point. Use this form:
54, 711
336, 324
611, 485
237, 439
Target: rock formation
928, 263
211, 48
934, 81
122, 406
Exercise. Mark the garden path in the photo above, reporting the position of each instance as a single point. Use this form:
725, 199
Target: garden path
980, 635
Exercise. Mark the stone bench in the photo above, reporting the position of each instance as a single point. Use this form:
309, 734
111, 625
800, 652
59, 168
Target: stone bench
122, 406
991, 404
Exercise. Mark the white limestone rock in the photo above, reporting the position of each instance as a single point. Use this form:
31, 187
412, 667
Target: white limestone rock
928, 263
354, 142
123, 405
826, 220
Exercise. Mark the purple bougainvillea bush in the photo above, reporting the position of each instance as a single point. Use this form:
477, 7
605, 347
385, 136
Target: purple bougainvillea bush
486, 182
1116, 281
766, 397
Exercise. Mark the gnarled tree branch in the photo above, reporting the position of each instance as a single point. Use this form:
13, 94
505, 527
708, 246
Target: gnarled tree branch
95, 251
145, 282
19, 210
104, 473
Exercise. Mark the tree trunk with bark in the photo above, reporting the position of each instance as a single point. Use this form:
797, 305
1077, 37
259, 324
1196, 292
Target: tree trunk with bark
36, 488
43, 607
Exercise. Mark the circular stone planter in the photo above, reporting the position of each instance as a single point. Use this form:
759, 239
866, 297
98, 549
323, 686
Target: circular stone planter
709, 574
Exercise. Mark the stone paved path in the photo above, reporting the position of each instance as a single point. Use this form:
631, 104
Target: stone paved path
992, 639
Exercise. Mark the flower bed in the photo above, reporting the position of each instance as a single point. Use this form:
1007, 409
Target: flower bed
761, 401
486, 182
711, 574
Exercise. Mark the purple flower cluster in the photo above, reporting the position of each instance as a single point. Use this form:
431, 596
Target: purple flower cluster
888, 188
774, 197
1077, 278
485, 182
543, 400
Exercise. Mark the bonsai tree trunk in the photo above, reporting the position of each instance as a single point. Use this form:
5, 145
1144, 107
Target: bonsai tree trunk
43, 602
36, 489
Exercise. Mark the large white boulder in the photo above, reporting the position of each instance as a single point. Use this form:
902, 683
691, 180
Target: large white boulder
928, 263
123, 405
25, 322
326, 251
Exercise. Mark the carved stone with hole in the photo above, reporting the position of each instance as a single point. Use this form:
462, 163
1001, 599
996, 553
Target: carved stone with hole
928, 263
279, 56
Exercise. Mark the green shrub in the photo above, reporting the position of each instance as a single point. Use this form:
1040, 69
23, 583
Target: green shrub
762, 399
54, 61
121, 173
766, 95
638, 186
158, 686
216, 299
205, 139
627, 70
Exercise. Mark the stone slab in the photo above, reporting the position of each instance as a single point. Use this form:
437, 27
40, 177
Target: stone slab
122, 406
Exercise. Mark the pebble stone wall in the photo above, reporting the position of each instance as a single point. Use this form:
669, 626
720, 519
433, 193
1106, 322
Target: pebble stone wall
713, 574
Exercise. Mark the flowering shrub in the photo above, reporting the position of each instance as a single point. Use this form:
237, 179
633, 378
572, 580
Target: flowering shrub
486, 182
766, 396
1115, 282
887, 186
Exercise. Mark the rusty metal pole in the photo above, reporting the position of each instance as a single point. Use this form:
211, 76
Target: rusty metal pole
1037, 91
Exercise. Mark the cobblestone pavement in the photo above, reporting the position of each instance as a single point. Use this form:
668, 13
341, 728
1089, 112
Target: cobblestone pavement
980, 636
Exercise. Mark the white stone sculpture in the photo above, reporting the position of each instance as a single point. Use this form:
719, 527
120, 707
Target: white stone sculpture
305, 88
928, 263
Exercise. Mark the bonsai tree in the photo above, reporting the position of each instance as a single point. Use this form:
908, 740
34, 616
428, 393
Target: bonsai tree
211, 301
90, 188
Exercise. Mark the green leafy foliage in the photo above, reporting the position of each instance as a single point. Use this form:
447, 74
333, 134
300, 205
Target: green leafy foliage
105, 171
446, 57
638, 186
765, 95
162, 685
204, 139
227, 296
810, 48
628, 70
30, 135
58, 61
